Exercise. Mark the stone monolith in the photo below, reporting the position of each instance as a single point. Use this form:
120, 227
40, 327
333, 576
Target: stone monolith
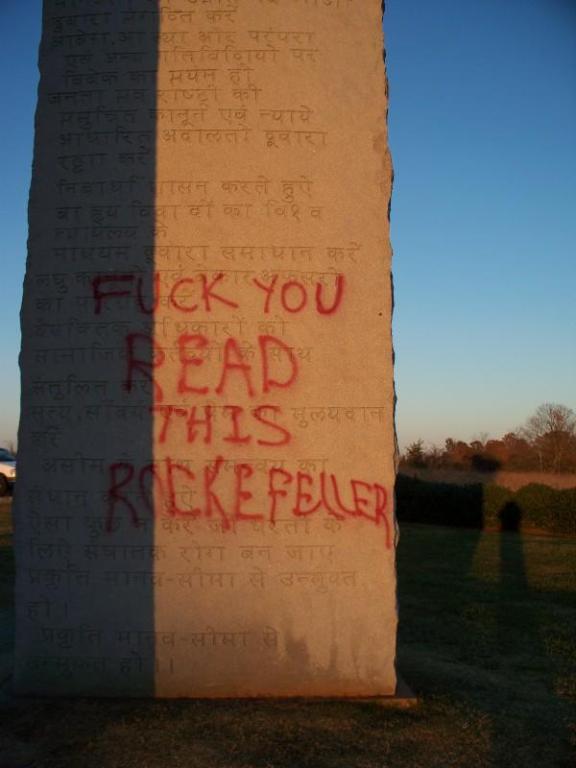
207, 450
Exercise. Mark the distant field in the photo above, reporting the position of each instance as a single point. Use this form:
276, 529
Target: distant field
487, 640
511, 480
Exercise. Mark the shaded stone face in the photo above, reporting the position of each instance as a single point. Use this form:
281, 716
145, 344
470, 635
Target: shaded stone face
205, 499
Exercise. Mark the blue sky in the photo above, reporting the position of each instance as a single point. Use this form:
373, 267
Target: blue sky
483, 136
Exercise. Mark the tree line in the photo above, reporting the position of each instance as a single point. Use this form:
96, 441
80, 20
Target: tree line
545, 443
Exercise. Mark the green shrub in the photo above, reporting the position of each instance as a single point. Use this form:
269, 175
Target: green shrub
495, 500
418, 501
547, 508
489, 506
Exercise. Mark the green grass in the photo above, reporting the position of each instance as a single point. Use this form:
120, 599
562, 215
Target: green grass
6, 593
487, 640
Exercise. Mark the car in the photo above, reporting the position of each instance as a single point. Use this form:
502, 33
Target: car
7, 471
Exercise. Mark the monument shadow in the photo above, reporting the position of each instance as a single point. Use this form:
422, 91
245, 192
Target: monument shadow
85, 550
493, 647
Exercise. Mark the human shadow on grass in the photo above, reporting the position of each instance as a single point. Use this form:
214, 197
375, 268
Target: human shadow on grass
525, 660
489, 650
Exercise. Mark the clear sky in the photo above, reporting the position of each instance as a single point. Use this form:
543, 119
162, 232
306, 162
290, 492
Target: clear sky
483, 136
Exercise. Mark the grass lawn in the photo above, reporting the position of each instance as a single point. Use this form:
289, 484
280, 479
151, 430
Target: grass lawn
487, 640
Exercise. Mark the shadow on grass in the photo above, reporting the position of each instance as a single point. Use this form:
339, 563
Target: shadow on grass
482, 624
487, 631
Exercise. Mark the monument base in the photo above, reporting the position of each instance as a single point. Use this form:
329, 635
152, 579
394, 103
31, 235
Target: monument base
404, 698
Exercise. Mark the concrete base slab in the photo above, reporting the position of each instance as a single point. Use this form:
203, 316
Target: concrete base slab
404, 698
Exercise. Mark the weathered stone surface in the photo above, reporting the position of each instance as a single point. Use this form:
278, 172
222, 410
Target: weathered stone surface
205, 501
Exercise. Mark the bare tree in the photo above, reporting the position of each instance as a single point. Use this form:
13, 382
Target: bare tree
11, 446
415, 455
551, 431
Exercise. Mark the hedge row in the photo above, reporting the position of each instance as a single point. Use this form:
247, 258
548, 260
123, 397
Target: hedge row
486, 506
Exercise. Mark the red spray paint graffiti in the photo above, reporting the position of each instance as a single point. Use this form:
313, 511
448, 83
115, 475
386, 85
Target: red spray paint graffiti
228, 496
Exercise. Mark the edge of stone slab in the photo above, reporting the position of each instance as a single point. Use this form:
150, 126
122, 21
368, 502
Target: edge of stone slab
403, 698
